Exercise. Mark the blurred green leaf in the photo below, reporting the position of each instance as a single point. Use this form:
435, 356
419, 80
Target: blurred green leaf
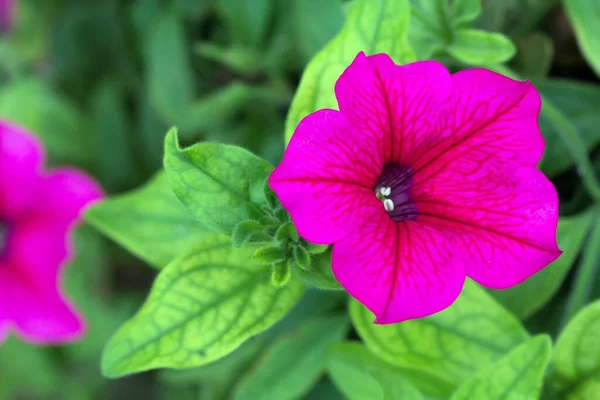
114, 147
394, 386
528, 297
246, 21
576, 359
477, 47
350, 365
202, 306
534, 56
518, 375
373, 26
171, 80
27, 369
52, 117
324, 390
320, 274
240, 59
293, 363
149, 221
220, 185
151, 137
585, 18
464, 11
452, 344
326, 18
580, 103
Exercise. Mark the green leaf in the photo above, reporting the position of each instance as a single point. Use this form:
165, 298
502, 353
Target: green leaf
319, 274
576, 359
269, 254
534, 55
316, 249
50, 116
116, 167
326, 18
477, 47
244, 231
528, 297
294, 362
170, 76
452, 344
301, 257
585, 18
220, 185
464, 11
282, 272
580, 103
351, 365
395, 387
373, 26
201, 307
287, 231
518, 375
150, 222
246, 21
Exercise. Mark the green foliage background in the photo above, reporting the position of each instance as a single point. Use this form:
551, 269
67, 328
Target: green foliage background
103, 82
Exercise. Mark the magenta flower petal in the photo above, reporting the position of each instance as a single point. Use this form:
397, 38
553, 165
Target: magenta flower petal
328, 193
399, 282
37, 215
21, 162
421, 179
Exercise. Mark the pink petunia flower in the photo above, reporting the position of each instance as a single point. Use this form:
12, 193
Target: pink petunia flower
37, 213
421, 179
7, 15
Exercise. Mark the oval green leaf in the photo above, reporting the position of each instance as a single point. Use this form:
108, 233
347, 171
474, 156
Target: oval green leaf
518, 375
576, 358
201, 307
294, 363
373, 26
453, 344
477, 47
150, 222
219, 184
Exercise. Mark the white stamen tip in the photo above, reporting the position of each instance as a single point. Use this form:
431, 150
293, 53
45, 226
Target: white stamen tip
385, 191
388, 205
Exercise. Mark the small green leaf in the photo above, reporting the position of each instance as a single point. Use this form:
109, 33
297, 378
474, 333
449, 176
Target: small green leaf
464, 11
294, 363
534, 55
351, 365
576, 358
287, 231
220, 185
246, 21
244, 231
477, 47
585, 18
282, 272
150, 222
528, 297
269, 254
453, 344
316, 248
202, 306
373, 26
170, 75
518, 375
301, 257
320, 274
270, 196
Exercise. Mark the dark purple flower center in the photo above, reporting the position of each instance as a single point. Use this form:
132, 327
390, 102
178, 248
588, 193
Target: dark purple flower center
392, 188
3, 237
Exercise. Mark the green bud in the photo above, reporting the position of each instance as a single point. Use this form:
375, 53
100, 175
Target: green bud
287, 231
270, 196
301, 257
281, 274
269, 221
244, 231
316, 248
269, 254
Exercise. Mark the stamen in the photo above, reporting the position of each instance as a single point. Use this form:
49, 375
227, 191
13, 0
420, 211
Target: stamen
388, 205
385, 191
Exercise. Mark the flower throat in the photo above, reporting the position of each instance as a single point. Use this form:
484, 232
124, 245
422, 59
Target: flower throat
392, 188
3, 237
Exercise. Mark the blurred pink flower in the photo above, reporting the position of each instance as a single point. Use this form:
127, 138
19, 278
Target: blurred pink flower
420, 179
38, 211
7, 15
